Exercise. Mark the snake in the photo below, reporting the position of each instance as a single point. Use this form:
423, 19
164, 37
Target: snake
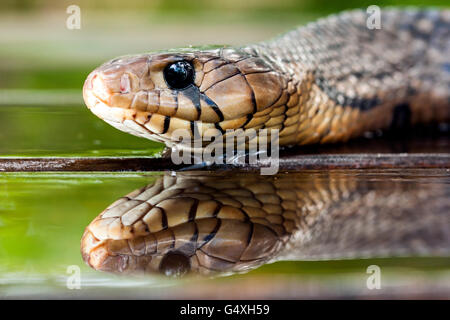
326, 82
222, 223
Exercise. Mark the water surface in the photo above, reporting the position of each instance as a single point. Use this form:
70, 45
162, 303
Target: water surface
42, 218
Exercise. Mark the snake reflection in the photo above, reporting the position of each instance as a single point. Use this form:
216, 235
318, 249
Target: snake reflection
224, 222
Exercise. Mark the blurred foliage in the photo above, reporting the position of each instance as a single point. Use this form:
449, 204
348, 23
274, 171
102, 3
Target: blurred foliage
39, 78
54, 58
196, 6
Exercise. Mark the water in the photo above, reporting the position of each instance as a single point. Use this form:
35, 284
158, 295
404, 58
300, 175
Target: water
42, 218
35, 131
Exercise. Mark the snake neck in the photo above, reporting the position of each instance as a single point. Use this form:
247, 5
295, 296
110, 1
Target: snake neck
342, 79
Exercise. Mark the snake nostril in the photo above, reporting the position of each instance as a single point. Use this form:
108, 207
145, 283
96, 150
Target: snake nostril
175, 264
88, 82
88, 89
125, 84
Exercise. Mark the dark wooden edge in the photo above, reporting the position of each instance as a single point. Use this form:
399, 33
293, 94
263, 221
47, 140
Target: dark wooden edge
296, 162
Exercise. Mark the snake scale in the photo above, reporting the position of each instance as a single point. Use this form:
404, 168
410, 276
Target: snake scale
325, 82
222, 223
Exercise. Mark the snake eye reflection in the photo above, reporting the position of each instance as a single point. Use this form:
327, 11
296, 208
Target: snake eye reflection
175, 264
179, 75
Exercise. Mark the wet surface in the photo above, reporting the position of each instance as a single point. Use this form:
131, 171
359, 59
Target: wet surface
212, 223
69, 131
91, 145
293, 162
43, 215
31, 131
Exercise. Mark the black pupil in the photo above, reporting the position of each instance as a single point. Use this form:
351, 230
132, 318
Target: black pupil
179, 75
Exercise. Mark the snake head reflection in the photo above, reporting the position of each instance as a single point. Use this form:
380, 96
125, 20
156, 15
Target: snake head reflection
188, 224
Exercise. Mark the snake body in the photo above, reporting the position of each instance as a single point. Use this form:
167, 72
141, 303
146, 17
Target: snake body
328, 81
225, 223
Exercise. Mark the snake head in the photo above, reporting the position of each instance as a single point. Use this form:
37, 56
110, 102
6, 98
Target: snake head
204, 225
152, 95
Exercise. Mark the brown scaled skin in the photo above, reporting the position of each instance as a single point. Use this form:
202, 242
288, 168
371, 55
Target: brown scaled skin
326, 82
197, 221
217, 224
229, 92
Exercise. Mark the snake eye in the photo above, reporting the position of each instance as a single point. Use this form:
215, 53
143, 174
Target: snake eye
175, 264
179, 75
